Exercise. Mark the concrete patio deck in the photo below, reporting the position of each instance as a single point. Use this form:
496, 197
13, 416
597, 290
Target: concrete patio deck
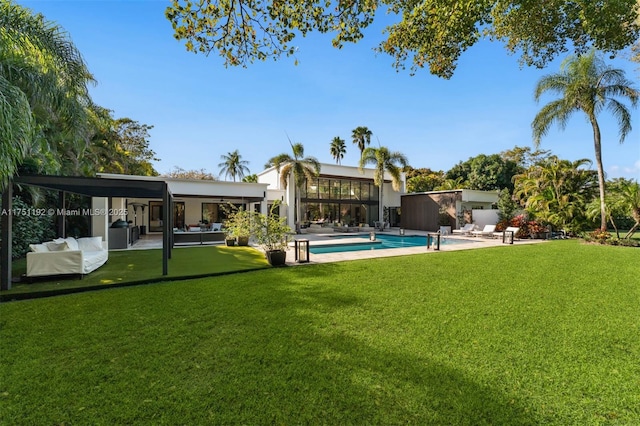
317, 239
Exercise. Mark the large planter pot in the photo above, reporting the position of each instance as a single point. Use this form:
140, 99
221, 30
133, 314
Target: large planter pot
277, 257
230, 242
243, 241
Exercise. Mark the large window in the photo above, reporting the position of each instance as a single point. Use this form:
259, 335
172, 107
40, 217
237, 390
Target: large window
155, 215
218, 212
210, 212
324, 189
178, 214
348, 201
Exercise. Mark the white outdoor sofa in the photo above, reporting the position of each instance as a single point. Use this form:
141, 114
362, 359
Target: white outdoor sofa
67, 256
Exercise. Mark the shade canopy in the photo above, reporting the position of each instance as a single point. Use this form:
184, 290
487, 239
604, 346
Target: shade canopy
96, 187
91, 187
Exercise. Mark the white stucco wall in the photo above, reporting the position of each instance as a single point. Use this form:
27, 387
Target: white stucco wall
485, 217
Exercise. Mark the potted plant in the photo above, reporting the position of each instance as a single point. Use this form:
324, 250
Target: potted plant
230, 240
273, 235
238, 226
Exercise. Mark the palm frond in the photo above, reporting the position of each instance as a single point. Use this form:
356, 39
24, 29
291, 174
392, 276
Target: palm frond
622, 115
285, 172
556, 111
555, 83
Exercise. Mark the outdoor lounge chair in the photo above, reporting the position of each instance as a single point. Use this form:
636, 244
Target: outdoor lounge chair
465, 230
509, 229
487, 231
380, 226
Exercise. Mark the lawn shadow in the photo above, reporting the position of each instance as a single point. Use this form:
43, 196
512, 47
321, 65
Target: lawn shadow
295, 353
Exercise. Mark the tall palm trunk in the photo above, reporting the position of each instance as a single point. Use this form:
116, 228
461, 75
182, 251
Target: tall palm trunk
298, 209
381, 207
598, 149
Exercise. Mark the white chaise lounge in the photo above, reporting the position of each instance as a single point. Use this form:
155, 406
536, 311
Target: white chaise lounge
487, 231
506, 232
465, 230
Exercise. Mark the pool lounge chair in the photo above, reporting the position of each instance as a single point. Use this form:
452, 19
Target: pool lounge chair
487, 231
465, 230
507, 231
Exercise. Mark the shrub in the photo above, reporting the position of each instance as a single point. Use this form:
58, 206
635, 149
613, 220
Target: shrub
506, 205
28, 229
604, 237
624, 242
598, 236
535, 228
519, 221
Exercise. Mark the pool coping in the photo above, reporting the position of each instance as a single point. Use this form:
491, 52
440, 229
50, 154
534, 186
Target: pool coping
328, 239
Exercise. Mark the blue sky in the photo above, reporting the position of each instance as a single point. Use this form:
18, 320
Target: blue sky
201, 110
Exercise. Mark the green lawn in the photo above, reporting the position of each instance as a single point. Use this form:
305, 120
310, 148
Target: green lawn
530, 334
146, 265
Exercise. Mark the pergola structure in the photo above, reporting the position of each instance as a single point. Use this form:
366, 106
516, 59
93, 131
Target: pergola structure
91, 187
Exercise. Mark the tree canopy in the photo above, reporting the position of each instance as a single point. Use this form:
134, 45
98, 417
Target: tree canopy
180, 173
43, 82
429, 33
384, 160
302, 168
48, 121
337, 149
118, 146
233, 165
484, 172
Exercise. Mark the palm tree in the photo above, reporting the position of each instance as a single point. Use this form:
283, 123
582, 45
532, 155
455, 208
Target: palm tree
361, 136
301, 167
623, 200
338, 149
233, 165
557, 191
384, 161
631, 199
451, 184
586, 84
16, 129
44, 95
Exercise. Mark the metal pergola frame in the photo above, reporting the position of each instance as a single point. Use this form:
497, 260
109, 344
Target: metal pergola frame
91, 187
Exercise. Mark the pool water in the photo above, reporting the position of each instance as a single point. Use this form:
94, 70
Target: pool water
381, 242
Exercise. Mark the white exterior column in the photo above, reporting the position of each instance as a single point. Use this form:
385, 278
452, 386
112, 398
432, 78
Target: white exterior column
100, 217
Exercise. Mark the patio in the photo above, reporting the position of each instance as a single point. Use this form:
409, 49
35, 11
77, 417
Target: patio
316, 239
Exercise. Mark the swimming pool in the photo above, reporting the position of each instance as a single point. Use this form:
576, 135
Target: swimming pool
381, 242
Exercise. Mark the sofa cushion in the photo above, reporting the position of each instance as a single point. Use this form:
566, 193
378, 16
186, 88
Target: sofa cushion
72, 243
90, 243
55, 246
38, 248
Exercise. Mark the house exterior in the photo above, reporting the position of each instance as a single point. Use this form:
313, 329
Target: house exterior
421, 210
194, 202
340, 194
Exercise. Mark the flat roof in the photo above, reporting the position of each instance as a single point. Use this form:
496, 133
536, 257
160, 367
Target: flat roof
97, 187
